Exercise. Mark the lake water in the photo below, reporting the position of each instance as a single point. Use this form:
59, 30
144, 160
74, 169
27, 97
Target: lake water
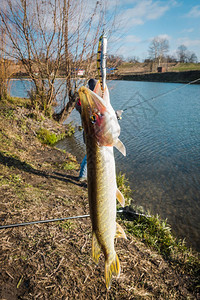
160, 128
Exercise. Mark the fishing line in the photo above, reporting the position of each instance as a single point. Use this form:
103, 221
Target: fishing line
68, 218
163, 94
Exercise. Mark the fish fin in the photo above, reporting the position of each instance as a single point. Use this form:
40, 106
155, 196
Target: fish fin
96, 250
97, 90
112, 267
120, 146
120, 197
84, 92
120, 232
99, 102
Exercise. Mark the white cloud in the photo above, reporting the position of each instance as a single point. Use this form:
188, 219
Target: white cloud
132, 39
136, 50
188, 42
125, 51
194, 12
192, 45
143, 11
164, 36
188, 30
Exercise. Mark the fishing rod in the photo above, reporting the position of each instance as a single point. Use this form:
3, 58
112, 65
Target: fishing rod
124, 210
101, 61
42, 221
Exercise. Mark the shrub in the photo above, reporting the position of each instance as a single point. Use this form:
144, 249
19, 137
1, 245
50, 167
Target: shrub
47, 137
70, 129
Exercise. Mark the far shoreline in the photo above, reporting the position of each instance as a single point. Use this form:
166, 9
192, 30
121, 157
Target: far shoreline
184, 77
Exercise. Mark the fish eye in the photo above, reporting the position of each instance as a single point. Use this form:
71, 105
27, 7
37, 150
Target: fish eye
93, 119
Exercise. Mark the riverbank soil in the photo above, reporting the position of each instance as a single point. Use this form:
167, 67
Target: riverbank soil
53, 261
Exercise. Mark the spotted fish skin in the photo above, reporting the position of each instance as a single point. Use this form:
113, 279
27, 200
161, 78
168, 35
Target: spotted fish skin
102, 199
102, 191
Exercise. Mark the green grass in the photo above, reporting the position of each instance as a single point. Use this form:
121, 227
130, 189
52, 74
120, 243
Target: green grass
49, 138
123, 186
128, 65
70, 129
35, 116
70, 165
8, 113
67, 225
186, 67
17, 101
179, 67
154, 232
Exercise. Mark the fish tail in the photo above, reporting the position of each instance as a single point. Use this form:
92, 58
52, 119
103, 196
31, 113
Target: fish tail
112, 267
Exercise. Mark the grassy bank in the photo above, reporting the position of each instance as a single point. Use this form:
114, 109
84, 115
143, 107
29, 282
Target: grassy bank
173, 77
53, 261
136, 67
173, 72
185, 67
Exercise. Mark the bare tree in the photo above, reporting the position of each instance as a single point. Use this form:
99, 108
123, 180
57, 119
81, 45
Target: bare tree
48, 36
114, 60
6, 66
80, 40
3, 75
184, 55
132, 59
34, 31
192, 58
158, 49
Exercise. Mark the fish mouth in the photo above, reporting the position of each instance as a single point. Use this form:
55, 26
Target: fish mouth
91, 100
93, 108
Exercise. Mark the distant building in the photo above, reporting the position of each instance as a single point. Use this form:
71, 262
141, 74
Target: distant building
159, 69
162, 68
81, 72
111, 70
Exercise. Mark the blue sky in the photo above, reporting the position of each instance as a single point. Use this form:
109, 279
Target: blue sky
139, 21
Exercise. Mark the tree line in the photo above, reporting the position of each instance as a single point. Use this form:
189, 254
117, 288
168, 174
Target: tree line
159, 49
158, 53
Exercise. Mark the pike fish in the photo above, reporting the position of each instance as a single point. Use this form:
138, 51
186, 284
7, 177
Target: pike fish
101, 134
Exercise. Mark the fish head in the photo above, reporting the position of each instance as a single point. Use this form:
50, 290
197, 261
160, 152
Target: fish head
99, 118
